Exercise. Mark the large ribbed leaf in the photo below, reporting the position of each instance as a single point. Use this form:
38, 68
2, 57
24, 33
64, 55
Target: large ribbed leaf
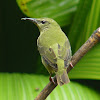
86, 21
27, 87
60, 10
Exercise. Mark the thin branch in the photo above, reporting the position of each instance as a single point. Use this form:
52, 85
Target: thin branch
93, 40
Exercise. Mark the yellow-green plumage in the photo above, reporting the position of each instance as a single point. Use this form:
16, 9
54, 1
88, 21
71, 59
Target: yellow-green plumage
54, 48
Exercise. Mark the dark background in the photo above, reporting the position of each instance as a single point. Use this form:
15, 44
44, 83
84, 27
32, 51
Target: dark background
18, 39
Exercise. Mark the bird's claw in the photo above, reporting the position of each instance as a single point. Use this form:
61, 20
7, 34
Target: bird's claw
52, 80
71, 65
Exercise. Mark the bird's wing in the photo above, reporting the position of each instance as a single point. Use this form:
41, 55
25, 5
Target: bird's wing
65, 53
48, 56
51, 69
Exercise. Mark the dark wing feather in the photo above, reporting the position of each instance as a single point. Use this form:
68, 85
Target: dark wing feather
65, 53
49, 58
49, 66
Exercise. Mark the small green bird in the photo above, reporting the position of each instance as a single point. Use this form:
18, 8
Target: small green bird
54, 48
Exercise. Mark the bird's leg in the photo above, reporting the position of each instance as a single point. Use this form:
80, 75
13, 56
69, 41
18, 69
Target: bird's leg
71, 65
51, 79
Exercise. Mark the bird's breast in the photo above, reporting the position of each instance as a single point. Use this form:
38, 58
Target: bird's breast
48, 39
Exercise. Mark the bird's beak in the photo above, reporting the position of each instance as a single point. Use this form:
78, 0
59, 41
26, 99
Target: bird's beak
31, 19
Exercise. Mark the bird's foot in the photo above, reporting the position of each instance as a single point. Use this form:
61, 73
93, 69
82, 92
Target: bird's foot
71, 65
52, 79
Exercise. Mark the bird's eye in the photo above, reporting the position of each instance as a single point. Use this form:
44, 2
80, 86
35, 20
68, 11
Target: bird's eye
43, 22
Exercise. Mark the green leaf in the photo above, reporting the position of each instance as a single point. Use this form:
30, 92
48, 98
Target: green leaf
60, 10
86, 21
28, 86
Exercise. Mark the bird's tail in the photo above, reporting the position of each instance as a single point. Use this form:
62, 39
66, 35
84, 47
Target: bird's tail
62, 78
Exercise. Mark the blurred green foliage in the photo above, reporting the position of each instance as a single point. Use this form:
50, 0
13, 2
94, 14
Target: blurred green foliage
86, 21
19, 49
60, 10
28, 86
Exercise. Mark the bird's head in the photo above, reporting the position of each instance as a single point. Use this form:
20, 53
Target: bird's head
43, 23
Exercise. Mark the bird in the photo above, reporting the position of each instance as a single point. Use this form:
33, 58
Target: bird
54, 48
